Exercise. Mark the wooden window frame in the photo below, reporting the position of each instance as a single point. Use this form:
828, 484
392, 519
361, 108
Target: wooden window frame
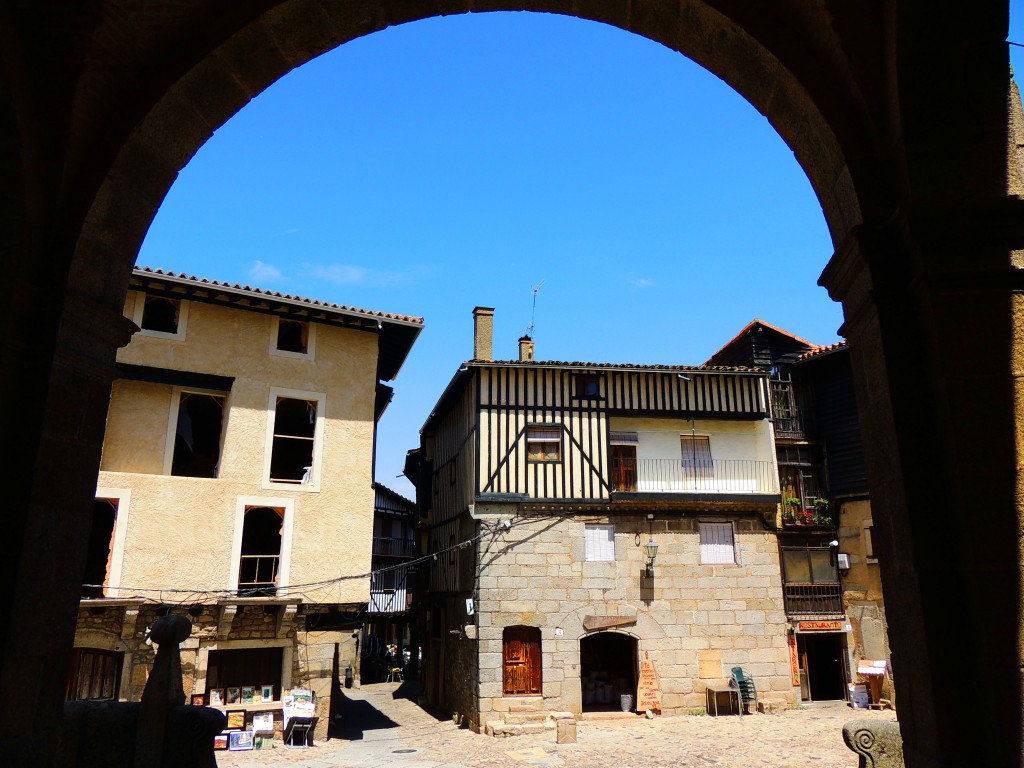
550, 440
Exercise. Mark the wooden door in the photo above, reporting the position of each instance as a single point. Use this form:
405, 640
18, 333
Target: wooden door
522, 662
624, 467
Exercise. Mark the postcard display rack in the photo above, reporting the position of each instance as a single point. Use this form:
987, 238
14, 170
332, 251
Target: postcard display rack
299, 717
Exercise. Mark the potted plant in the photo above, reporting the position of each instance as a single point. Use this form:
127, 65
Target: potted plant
821, 514
790, 510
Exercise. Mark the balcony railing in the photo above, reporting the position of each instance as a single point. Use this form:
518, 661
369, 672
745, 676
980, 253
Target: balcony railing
788, 421
389, 546
726, 476
813, 599
388, 600
257, 574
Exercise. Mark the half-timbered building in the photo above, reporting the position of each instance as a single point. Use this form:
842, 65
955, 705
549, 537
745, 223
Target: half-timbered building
583, 517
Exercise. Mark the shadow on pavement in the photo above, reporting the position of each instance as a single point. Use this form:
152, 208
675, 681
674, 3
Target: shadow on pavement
353, 717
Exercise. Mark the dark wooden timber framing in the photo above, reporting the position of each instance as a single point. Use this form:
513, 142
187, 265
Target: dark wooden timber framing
493, 405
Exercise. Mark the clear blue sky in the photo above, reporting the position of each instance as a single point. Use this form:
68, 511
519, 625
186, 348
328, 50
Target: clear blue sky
455, 162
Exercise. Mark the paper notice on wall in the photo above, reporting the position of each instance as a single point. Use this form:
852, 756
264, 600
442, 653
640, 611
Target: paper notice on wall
648, 693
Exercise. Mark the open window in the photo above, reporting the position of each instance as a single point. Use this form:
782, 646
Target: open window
522, 668
295, 439
101, 546
161, 316
197, 437
292, 338
544, 443
259, 563
586, 386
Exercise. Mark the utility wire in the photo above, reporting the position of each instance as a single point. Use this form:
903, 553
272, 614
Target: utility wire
290, 590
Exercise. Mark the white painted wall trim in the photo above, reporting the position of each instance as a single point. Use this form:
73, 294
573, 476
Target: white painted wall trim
309, 354
123, 497
320, 399
284, 566
140, 308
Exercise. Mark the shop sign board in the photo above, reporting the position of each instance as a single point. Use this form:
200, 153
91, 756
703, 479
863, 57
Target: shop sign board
648, 693
820, 626
794, 660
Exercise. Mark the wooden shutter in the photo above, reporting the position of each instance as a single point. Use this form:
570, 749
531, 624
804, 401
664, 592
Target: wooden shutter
522, 662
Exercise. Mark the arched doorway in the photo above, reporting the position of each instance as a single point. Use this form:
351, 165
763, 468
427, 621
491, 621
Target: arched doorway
906, 144
608, 670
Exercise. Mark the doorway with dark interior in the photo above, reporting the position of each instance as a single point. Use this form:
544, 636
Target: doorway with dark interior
608, 670
823, 669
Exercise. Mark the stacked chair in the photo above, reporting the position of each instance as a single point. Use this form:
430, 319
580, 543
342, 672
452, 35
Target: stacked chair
745, 685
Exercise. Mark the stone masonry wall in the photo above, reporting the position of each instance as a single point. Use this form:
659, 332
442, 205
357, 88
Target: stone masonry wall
694, 621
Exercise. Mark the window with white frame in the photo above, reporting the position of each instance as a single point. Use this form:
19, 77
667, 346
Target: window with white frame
295, 439
161, 316
544, 443
292, 338
198, 430
599, 542
717, 543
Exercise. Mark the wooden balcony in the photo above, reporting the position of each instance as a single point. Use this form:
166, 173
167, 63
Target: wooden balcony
385, 601
392, 547
788, 420
724, 476
813, 599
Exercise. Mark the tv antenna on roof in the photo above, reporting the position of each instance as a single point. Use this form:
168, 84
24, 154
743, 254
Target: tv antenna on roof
533, 313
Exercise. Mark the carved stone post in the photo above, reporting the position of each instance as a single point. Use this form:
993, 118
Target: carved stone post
163, 690
877, 743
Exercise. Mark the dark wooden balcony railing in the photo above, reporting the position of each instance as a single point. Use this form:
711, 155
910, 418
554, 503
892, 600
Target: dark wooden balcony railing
813, 599
675, 476
389, 546
788, 420
257, 574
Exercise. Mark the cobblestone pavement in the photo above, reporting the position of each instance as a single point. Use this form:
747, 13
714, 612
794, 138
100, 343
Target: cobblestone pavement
383, 728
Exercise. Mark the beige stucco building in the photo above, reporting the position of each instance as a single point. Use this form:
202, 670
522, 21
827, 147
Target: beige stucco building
236, 485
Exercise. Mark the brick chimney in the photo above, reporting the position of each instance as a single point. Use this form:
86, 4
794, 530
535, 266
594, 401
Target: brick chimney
483, 333
526, 350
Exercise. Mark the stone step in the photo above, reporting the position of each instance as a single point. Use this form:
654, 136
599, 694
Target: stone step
518, 729
536, 715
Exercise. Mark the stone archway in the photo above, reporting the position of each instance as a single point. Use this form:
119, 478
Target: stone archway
906, 143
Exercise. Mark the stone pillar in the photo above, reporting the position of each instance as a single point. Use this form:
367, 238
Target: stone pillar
62, 347
928, 316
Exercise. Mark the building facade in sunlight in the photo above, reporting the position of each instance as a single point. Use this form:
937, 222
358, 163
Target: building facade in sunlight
584, 519
830, 571
236, 487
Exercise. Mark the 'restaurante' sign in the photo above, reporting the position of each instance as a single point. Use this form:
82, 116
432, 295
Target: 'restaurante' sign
820, 626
